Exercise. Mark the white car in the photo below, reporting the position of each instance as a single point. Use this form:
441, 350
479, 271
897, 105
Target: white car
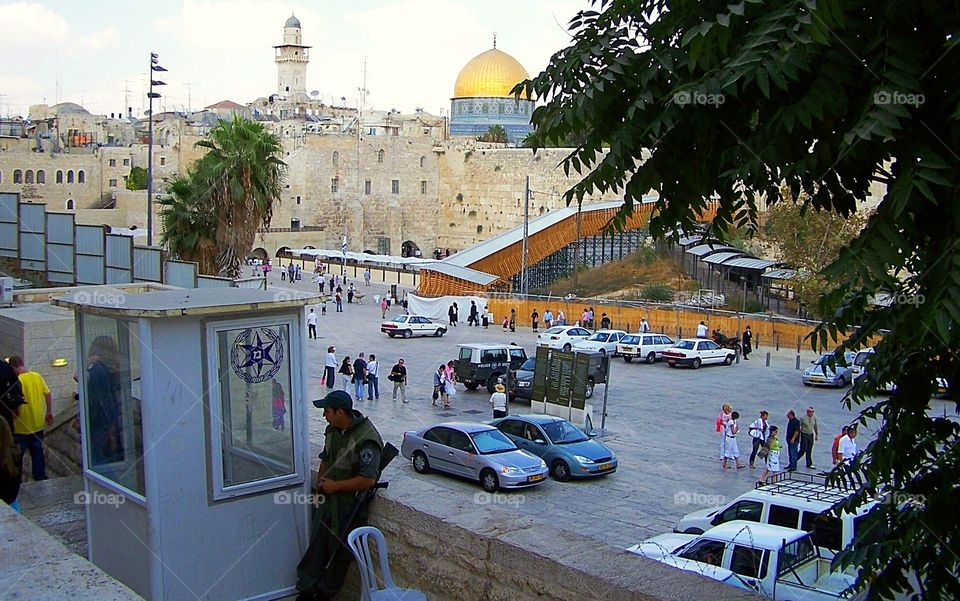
562, 337
602, 341
696, 352
647, 346
410, 325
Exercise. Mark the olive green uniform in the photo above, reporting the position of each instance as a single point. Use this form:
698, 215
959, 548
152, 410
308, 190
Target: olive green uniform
352, 452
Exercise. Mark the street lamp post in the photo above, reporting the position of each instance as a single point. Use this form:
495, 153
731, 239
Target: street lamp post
154, 66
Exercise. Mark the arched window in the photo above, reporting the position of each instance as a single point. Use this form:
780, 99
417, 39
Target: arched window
380, 156
29, 178
336, 158
59, 176
17, 176
70, 176
70, 204
81, 177
423, 162
41, 177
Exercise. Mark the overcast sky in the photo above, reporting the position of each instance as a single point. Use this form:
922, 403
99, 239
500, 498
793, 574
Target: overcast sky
95, 52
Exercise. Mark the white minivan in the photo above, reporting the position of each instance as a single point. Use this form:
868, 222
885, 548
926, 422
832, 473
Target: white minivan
647, 346
792, 500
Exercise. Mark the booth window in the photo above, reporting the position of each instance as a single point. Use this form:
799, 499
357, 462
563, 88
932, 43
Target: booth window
253, 412
111, 400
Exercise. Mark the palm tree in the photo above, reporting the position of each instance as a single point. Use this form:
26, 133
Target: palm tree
239, 179
188, 224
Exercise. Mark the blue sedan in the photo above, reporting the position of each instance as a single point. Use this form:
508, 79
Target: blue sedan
563, 447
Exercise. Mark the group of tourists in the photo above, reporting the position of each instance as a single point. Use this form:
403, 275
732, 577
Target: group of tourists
767, 443
362, 376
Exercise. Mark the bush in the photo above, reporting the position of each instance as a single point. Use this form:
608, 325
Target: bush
657, 293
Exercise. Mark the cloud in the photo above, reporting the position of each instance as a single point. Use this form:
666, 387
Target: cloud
107, 38
27, 24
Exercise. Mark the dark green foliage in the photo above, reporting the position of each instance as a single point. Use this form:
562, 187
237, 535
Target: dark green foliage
657, 293
825, 97
137, 179
495, 133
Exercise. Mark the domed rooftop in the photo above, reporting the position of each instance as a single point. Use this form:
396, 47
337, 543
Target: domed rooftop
292, 22
490, 74
69, 108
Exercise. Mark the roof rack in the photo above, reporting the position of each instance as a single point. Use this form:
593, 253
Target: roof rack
811, 487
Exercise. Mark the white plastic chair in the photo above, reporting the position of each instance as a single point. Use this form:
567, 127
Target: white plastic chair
359, 543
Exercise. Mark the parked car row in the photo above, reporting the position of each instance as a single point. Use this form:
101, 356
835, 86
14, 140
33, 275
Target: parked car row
517, 451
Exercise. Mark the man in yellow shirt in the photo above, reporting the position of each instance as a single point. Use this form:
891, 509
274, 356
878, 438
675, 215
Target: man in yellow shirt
38, 410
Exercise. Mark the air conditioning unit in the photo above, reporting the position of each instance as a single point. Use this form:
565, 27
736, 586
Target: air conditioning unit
6, 291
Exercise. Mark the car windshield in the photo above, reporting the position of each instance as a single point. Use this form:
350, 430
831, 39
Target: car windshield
554, 330
862, 359
530, 364
563, 432
492, 441
400, 319
600, 337
684, 344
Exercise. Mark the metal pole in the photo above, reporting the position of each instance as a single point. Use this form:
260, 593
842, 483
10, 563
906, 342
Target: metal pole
150, 160
606, 388
524, 276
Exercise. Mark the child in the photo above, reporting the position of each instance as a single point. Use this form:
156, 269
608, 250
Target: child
506, 323
323, 307
773, 447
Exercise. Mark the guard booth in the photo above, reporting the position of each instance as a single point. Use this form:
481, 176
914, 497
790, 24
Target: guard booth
195, 440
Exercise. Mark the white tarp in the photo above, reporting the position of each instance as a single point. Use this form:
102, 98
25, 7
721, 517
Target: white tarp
436, 308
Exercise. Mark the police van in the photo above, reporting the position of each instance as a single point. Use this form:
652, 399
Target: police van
482, 363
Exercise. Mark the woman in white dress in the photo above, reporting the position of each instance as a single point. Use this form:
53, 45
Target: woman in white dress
722, 420
773, 447
732, 450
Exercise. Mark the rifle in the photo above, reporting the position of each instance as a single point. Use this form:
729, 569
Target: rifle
364, 497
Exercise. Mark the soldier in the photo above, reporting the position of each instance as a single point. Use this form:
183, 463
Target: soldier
349, 464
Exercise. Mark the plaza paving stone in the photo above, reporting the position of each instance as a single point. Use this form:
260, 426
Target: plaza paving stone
660, 423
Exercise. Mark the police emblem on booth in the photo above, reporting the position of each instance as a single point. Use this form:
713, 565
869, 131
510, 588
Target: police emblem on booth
257, 354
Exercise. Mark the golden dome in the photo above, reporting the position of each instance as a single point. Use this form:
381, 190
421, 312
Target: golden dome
491, 74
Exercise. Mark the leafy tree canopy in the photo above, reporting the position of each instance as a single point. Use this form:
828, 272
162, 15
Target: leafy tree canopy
137, 179
495, 133
702, 98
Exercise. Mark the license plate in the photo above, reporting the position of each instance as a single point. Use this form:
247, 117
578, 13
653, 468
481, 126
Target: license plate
606, 466
628, 349
535, 478
816, 379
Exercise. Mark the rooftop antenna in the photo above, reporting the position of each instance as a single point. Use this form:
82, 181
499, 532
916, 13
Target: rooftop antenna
494, 40
189, 110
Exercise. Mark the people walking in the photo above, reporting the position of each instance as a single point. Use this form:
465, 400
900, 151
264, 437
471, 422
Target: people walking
548, 318
534, 319
747, 343
330, 367
513, 320
590, 317
29, 422
312, 324
561, 319
585, 318
398, 375
359, 376
440, 386
452, 315
473, 319
722, 420
366, 277
644, 326
384, 305
732, 449
793, 440
296, 273
499, 401
339, 299
847, 448
319, 281
702, 330
346, 374
759, 431
373, 379
809, 433
834, 450
772, 465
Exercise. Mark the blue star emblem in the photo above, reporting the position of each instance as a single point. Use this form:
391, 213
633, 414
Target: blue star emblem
259, 360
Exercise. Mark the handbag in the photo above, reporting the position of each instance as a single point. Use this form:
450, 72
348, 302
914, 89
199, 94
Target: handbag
763, 452
436, 393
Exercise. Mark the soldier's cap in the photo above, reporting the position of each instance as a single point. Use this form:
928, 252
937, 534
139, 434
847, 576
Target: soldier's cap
338, 399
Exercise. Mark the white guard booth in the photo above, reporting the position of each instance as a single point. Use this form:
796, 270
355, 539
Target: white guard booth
195, 440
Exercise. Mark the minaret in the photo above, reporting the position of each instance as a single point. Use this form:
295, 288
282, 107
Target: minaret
292, 58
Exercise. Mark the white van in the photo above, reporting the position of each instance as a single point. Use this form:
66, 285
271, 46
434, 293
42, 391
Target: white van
792, 500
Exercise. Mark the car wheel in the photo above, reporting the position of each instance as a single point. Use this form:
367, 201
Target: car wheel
567, 347
560, 470
438, 333
492, 383
391, 334
407, 333
471, 385
728, 360
590, 388
420, 463
489, 480
651, 357
696, 363
627, 359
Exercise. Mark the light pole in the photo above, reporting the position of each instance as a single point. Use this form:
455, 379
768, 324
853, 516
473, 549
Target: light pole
154, 66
